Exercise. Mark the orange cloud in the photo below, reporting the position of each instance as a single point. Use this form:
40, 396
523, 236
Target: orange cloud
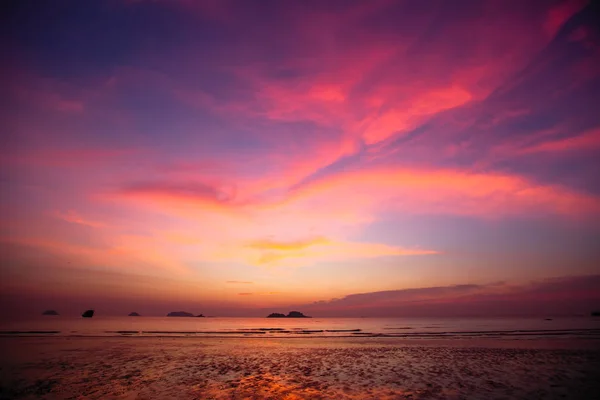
129, 252
182, 239
258, 294
309, 251
286, 246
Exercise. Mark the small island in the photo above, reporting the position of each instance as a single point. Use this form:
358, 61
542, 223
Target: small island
49, 312
88, 314
179, 314
291, 314
134, 314
595, 313
200, 316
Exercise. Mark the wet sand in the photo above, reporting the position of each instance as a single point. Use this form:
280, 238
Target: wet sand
336, 368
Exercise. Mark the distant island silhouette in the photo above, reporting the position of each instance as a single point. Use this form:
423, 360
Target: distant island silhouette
134, 314
595, 313
291, 314
49, 312
88, 314
180, 314
200, 316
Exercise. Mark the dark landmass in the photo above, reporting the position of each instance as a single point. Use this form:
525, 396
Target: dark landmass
88, 314
179, 314
291, 314
49, 312
296, 314
595, 313
134, 314
200, 316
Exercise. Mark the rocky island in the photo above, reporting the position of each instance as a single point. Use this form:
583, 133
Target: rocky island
49, 312
134, 314
88, 314
291, 314
179, 314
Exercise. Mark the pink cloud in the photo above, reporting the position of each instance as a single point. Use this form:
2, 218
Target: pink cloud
446, 192
75, 218
586, 141
560, 13
405, 117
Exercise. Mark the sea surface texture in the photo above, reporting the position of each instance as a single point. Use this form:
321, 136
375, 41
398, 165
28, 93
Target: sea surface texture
508, 328
259, 358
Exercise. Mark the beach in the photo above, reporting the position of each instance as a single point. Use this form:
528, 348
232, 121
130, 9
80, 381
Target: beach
296, 368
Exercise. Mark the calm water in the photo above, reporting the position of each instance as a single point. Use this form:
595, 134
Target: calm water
513, 328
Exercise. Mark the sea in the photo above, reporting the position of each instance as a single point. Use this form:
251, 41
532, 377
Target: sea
417, 328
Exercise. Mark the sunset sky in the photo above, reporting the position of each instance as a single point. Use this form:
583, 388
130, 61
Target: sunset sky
340, 157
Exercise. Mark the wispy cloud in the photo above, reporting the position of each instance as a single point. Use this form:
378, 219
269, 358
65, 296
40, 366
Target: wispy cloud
288, 246
587, 141
74, 217
258, 294
309, 251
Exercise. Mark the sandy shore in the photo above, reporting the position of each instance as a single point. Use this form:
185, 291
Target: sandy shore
228, 368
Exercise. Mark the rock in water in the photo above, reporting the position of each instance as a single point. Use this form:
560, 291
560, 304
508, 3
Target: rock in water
49, 312
291, 314
88, 314
179, 314
276, 315
134, 314
296, 314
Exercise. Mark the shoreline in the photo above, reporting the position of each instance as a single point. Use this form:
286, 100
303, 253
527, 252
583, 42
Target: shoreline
319, 341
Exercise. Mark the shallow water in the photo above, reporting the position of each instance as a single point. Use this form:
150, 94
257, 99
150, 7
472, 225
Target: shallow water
301, 368
514, 328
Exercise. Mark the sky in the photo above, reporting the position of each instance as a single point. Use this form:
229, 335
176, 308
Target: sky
346, 158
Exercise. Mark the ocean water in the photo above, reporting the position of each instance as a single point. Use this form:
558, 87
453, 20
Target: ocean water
509, 328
